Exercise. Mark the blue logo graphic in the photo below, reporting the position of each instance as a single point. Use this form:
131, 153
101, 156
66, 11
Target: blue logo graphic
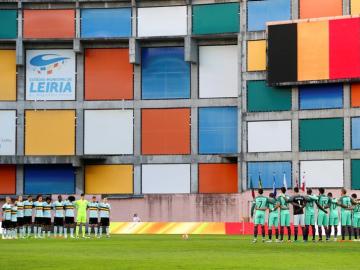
47, 63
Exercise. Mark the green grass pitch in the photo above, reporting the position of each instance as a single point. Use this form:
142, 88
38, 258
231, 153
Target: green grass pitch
171, 252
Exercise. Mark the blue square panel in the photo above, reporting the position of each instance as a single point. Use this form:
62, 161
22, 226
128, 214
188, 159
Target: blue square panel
218, 130
49, 179
321, 96
164, 73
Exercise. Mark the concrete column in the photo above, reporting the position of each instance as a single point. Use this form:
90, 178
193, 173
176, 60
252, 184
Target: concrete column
137, 151
20, 179
346, 7
80, 180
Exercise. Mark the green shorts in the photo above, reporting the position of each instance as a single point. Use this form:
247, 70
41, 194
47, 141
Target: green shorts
322, 219
333, 220
81, 219
285, 218
309, 218
273, 219
259, 217
356, 221
346, 218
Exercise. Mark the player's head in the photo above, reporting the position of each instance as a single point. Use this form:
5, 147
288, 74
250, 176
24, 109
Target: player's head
321, 191
354, 196
283, 190
48, 199
343, 191
105, 200
94, 198
30, 198
71, 198
309, 191
296, 189
329, 195
82, 195
8, 199
39, 198
135, 215
20, 198
260, 191
271, 195
59, 198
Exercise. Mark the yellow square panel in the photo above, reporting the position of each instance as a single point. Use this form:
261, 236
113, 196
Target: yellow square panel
355, 7
109, 179
7, 75
50, 132
256, 55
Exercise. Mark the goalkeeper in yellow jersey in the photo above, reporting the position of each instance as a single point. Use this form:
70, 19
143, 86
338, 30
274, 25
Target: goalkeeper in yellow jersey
81, 206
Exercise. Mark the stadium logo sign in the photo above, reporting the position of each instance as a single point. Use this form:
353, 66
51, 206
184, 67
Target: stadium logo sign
50, 75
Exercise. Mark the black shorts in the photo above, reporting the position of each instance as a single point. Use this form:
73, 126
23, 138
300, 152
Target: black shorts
39, 221
47, 221
13, 224
58, 221
20, 221
104, 222
28, 220
69, 220
6, 224
93, 221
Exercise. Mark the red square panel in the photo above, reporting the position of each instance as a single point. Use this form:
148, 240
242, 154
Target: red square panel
165, 131
7, 179
344, 48
108, 74
218, 178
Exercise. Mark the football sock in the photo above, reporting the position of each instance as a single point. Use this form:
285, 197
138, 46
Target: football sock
262, 231
289, 232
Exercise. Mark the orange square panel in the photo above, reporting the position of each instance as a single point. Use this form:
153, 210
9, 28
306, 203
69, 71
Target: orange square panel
355, 95
58, 23
320, 8
7, 179
165, 131
218, 178
108, 74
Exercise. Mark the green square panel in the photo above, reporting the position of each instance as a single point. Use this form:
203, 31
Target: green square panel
322, 134
355, 174
8, 23
216, 18
262, 98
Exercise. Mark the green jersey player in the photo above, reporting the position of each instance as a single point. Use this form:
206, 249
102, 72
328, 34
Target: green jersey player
322, 218
284, 214
273, 219
81, 206
346, 207
356, 216
310, 214
333, 215
260, 205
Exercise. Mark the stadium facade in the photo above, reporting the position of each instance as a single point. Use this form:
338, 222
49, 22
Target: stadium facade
164, 106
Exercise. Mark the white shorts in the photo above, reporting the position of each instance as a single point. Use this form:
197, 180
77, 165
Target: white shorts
299, 220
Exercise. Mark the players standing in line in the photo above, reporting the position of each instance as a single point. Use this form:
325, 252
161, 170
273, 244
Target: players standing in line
47, 217
260, 205
6, 219
104, 208
284, 214
310, 214
14, 221
69, 216
20, 216
298, 201
356, 217
39, 214
346, 207
81, 206
322, 218
93, 207
28, 213
59, 216
273, 218
333, 215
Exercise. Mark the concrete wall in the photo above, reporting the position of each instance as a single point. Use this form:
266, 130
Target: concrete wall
194, 207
